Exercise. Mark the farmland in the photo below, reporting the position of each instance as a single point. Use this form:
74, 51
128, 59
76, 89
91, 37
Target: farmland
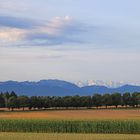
71, 126
72, 121
93, 124
98, 114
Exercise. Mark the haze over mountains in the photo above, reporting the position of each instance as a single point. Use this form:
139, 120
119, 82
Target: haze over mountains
60, 88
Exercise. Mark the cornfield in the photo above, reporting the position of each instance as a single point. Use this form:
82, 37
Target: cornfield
60, 126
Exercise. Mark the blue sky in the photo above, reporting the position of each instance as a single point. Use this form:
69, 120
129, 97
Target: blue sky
70, 40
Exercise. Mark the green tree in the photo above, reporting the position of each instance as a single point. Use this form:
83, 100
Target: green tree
2, 101
97, 100
107, 100
6, 97
40, 102
116, 99
58, 102
23, 101
13, 103
47, 102
13, 94
75, 101
67, 102
135, 99
86, 101
138, 99
33, 102
127, 100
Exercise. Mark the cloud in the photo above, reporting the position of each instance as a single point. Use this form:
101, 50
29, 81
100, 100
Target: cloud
11, 36
57, 25
15, 31
16, 22
59, 30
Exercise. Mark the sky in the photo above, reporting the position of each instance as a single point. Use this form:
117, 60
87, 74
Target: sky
70, 40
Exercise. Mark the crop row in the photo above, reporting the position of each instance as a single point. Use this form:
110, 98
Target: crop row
58, 126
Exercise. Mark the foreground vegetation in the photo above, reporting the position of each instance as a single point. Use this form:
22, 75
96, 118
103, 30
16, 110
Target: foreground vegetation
12, 101
43, 136
59, 126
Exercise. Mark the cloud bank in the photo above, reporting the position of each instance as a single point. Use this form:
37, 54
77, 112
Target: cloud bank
59, 30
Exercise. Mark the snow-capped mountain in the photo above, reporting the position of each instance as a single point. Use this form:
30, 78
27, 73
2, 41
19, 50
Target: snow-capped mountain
110, 84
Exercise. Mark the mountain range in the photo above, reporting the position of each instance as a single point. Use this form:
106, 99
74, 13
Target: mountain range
109, 84
60, 88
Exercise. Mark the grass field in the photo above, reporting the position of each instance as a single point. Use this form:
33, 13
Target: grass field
42, 136
101, 114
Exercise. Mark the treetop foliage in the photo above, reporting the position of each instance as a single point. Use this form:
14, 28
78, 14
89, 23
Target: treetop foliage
12, 101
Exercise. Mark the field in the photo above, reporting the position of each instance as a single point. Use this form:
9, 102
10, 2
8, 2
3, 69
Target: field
100, 124
101, 114
40, 136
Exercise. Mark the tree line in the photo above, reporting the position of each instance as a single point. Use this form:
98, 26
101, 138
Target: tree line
11, 101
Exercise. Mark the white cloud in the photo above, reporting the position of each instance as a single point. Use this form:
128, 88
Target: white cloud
11, 36
55, 26
58, 30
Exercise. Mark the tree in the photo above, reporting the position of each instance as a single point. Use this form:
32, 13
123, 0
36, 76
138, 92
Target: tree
2, 101
6, 97
23, 101
75, 101
127, 100
47, 102
33, 102
86, 101
13, 103
40, 102
57, 101
67, 102
116, 99
138, 98
135, 99
107, 100
13, 94
97, 100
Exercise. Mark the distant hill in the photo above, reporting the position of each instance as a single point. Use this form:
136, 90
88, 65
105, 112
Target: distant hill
59, 88
102, 89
